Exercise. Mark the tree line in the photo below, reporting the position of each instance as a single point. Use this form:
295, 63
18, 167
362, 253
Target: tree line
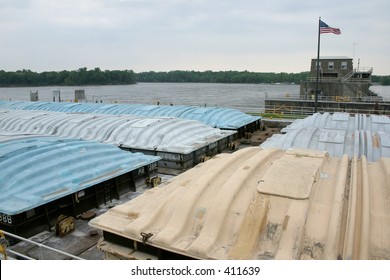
237, 77
382, 80
244, 77
83, 76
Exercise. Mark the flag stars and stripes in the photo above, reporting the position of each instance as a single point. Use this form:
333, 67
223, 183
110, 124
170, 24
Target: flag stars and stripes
324, 28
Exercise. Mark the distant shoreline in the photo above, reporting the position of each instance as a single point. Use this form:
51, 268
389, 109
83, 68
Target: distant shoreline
97, 77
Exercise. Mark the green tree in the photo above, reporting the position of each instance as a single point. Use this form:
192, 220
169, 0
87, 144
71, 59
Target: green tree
82, 76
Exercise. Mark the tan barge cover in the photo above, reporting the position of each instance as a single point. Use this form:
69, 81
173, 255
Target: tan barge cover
261, 204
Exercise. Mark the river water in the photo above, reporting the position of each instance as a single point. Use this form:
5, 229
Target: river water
244, 97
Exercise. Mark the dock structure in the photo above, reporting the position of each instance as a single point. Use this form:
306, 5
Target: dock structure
342, 87
180, 143
337, 77
258, 204
44, 177
223, 118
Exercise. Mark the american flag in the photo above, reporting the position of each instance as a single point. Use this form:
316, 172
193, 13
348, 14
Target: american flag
324, 28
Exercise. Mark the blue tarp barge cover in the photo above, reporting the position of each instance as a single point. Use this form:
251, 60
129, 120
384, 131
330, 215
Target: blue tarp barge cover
36, 170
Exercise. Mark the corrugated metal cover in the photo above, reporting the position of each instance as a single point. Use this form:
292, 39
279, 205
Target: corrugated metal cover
220, 117
385, 139
144, 133
12, 135
216, 117
335, 142
332, 136
342, 121
303, 171
37, 170
220, 210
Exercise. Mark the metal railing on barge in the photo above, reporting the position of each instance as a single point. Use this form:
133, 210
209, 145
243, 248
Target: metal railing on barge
12, 254
287, 107
297, 112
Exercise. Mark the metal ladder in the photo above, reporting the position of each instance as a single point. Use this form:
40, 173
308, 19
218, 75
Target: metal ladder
346, 80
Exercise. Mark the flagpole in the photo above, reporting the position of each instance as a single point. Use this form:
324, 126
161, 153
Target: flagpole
318, 67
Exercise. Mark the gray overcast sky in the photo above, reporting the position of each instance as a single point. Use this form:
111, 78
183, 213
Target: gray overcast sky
144, 35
